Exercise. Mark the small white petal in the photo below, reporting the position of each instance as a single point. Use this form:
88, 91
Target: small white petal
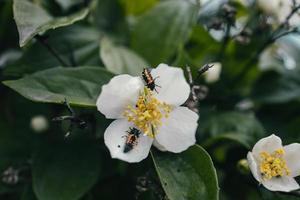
267, 144
291, 156
177, 132
173, 88
254, 167
114, 139
158, 146
283, 184
121, 91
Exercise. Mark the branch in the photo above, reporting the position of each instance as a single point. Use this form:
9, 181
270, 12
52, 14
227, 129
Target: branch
43, 41
277, 34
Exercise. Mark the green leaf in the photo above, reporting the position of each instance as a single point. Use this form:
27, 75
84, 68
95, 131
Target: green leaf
274, 87
65, 172
239, 127
80, 86
121, 60
159, 32
188, 175
108, 15
32, 19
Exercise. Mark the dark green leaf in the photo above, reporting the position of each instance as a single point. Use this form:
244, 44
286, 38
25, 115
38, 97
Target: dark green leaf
31, 19
189, 175
80, 86
121, 60
269, 195
240, 127
65, 171
273, 87
108, 15
76, 45
159, 32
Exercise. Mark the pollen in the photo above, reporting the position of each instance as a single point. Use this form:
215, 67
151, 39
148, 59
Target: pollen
148, 113
273, 165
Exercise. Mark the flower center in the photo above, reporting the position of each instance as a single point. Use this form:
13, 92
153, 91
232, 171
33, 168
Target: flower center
273, 165
147, 113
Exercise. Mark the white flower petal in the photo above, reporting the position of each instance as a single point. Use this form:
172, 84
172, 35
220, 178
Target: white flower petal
283, 184
121, 91
291, 156
173, 88
114, 139
254, 167
177, 132
158, 146
267, 144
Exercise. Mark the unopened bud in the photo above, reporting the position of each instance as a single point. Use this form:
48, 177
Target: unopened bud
243, 166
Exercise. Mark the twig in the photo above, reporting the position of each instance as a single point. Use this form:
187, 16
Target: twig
203, 69
197, 92
73, 118
43, 41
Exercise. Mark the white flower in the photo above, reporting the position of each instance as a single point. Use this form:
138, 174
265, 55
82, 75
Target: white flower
274, 165
279, 10
158, 115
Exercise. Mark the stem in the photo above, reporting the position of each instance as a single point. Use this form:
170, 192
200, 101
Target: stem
44, 42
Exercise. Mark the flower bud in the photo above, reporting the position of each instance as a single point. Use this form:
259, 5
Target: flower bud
39, 124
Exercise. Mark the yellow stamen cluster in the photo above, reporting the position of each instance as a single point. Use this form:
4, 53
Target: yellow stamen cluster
147, 113
273, 165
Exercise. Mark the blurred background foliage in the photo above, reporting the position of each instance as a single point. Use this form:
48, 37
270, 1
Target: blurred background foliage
72, 47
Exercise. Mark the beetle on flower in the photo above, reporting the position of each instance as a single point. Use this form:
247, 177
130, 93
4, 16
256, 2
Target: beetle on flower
158, 115
274, 165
